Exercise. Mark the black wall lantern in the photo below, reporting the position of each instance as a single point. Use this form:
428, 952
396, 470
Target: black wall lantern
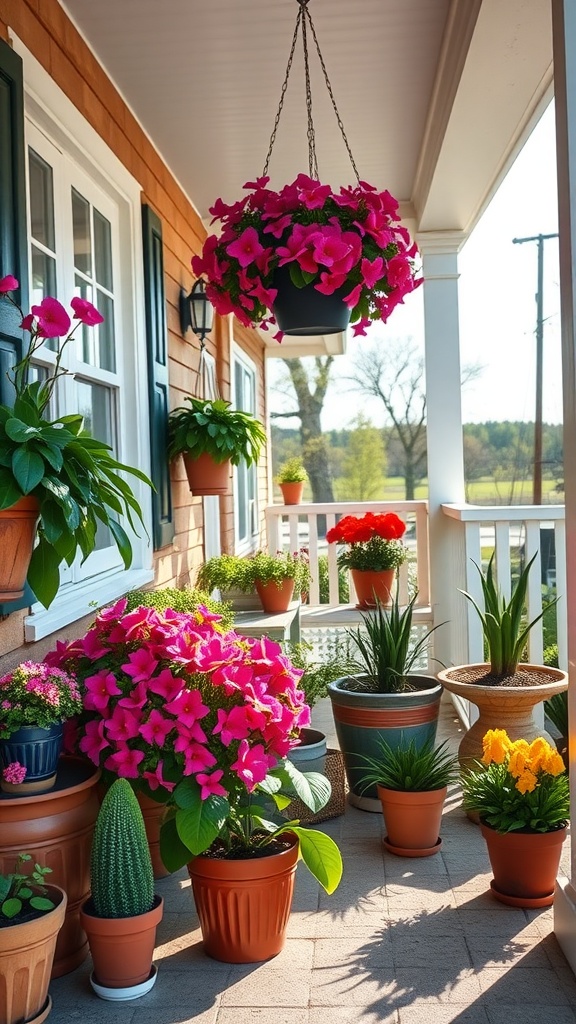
196, 311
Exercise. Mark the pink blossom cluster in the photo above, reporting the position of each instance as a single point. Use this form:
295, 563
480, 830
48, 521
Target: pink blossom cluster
168, 695
49, 319
15, 773
36, 693
348, 242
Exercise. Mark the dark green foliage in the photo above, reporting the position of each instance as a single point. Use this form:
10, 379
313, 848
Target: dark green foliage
386, 653
557, 710
409, 768
23, 895
317, 674
343, 588
214, 428
122, 880
184, 600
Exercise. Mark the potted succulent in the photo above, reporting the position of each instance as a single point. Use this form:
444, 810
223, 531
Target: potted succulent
31, 915
211, 436
57, 483
291, 479
520, 791
384, 698
35, 701
122, 913
277, 577
307, 258
505, 690
374, 553
412, 782
232, 576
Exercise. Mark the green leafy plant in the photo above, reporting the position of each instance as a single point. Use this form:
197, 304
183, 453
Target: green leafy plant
226, 572
503, 625
292, 471
518, 786
556, 708
184, 600
121, 876
317, 674
212, 427
282, 566
23, 895
324, 582
386, 652
74, 477
410, 768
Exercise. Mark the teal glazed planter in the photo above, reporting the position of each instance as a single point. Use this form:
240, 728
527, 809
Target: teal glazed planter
363, 720
38, 751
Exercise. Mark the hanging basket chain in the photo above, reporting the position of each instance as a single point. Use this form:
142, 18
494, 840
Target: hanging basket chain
303, 14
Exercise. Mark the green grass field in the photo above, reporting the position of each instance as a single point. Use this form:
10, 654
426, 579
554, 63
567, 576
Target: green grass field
483, 492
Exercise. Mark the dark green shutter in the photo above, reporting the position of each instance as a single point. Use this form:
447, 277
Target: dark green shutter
157, 341
13, 242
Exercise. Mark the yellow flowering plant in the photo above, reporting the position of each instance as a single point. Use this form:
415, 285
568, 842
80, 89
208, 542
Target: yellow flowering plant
518, 786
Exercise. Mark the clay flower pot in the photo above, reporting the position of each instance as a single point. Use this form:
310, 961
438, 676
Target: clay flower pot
525, 865
244, 905
502, 707
122, 947
292, 491
153, 814
373, 586
17, 532
275, 599
26, 956
412, 821
206, 476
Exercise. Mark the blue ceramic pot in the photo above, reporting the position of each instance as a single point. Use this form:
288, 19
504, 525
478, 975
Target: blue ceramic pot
37, 750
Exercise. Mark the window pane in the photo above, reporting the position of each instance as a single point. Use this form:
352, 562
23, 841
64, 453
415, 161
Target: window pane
81, 223
85, 336
106, 339
95, 405
103, 250
41, 201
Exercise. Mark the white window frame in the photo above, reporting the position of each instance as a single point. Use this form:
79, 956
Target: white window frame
243, 547
52, 113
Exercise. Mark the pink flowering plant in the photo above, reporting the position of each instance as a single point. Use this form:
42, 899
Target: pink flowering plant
74, 478
348, 242
37, 694
202, 719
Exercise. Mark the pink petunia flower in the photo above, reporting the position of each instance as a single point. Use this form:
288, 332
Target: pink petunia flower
53, 320
246, 248
124, 762
100, 687
210, 785
157, 728
8, 284
86, 312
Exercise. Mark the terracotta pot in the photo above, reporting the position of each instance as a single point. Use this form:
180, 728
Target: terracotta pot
525, 865
37, 750
306, 311
502, 707
206, 476
56, 828
153, 814
412, 821
244, 905
122, 947
364, 719
373, 586
17, 533
26, 956
275, 599
292, 492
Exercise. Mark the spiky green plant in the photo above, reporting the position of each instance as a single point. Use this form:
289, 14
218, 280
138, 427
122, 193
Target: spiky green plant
385, 651
121, 869
502, 620
409, 768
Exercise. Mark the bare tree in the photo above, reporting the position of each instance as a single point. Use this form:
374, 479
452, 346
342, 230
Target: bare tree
310, 383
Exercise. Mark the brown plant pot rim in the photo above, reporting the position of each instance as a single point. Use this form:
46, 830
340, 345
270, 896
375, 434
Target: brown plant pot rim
245, 869
555, 676
123, 925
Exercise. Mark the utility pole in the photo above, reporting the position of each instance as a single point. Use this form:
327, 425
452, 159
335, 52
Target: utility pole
537, 475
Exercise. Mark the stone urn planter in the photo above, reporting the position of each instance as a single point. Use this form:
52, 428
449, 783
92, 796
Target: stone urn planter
508, 707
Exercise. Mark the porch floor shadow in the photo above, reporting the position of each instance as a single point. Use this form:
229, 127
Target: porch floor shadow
401, 941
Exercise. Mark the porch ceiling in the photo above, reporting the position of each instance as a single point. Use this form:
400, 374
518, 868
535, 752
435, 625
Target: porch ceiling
436, 96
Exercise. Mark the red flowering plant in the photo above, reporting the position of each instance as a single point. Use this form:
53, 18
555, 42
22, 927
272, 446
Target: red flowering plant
374, 541
73, 477
202, 719
350, 241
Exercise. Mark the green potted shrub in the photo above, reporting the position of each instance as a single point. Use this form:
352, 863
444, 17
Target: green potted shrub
211, 436
122, 913
232, 576
291, 479
31, 915
57, 482
278, 577
385, 696
504, 688
412, 783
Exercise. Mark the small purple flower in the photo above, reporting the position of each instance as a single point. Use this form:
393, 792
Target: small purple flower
14, 773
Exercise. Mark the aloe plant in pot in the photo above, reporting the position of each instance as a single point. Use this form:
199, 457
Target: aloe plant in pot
385, 699
211, 436
57, 482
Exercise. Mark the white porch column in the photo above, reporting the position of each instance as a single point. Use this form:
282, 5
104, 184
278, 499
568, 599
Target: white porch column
564, 41
444, 433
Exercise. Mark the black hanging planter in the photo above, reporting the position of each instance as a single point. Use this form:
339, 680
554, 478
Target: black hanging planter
306, 311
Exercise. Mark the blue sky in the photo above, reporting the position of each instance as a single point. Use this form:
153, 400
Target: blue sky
497, 291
